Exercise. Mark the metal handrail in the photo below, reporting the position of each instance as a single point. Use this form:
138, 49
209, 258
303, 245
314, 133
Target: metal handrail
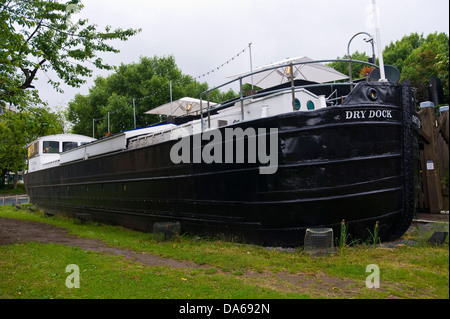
17, 197
241, 98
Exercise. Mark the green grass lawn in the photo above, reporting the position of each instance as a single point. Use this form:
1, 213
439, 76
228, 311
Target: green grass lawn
229, 270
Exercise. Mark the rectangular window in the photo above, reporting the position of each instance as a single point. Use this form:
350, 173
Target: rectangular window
69, 145
222, 123
50, 147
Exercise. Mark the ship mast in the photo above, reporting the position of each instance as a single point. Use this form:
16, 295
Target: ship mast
378, 37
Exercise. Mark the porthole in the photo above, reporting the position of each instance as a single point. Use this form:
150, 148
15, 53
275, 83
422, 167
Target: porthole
372, 94
297, 104
310, 105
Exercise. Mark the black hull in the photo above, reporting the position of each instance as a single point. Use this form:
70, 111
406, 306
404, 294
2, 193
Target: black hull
333, 164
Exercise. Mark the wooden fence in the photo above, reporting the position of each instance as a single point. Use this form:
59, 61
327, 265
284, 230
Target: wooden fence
433, 196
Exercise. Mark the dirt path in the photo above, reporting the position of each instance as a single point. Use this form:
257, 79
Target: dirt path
13, 231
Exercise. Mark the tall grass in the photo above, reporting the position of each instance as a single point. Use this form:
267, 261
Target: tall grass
374, 235
345, 240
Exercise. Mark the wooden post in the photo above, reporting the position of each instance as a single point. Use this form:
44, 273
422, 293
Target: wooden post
442, 147
430, 164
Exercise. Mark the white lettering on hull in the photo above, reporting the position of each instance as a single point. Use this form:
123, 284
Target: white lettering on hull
368, 114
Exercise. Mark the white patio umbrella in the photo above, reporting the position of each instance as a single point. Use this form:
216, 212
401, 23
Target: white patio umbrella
183, 106
315, 72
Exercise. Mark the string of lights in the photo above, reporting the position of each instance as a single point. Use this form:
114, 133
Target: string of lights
223, 64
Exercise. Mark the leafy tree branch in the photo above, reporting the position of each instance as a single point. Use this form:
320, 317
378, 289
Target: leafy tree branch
39, 35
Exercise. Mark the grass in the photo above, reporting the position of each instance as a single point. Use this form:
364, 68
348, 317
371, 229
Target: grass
231, 270
9, 190
38, 271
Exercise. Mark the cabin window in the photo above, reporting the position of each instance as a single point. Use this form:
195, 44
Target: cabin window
310, 105
222, 123
69, 145
50, 147
297, 104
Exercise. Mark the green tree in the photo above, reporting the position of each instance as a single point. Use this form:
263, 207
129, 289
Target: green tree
39, 35
19, 129
80, 113
356, 67
134, 89
419, 58
416, 57
397, 52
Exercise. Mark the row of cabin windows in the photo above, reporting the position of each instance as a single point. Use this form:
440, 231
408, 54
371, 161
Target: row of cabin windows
52, 147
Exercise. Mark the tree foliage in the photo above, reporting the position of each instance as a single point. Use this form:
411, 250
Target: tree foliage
38, 35
133, 89
419, 58
357, 68
19, 129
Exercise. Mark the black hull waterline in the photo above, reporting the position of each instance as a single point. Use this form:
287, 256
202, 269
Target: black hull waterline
354, 162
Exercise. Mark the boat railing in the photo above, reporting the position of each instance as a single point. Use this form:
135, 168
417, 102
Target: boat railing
51, 164
293, 87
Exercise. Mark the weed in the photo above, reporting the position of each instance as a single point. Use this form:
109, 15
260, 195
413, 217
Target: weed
374, 235
344, 238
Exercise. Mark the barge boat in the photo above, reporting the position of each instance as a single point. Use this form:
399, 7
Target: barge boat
261, 169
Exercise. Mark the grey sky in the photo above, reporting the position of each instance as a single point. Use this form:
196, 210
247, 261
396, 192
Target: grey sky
203, 34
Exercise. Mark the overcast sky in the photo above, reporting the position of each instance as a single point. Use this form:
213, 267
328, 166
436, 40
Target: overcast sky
203, 34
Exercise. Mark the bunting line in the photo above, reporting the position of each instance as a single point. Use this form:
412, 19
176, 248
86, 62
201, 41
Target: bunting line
222, 65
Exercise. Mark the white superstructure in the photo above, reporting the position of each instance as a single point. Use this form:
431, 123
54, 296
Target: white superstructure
45, 151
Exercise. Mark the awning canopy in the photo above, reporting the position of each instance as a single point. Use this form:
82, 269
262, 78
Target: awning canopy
315, 72
183, 106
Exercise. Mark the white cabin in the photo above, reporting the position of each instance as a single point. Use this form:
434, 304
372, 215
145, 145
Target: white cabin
45, 151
